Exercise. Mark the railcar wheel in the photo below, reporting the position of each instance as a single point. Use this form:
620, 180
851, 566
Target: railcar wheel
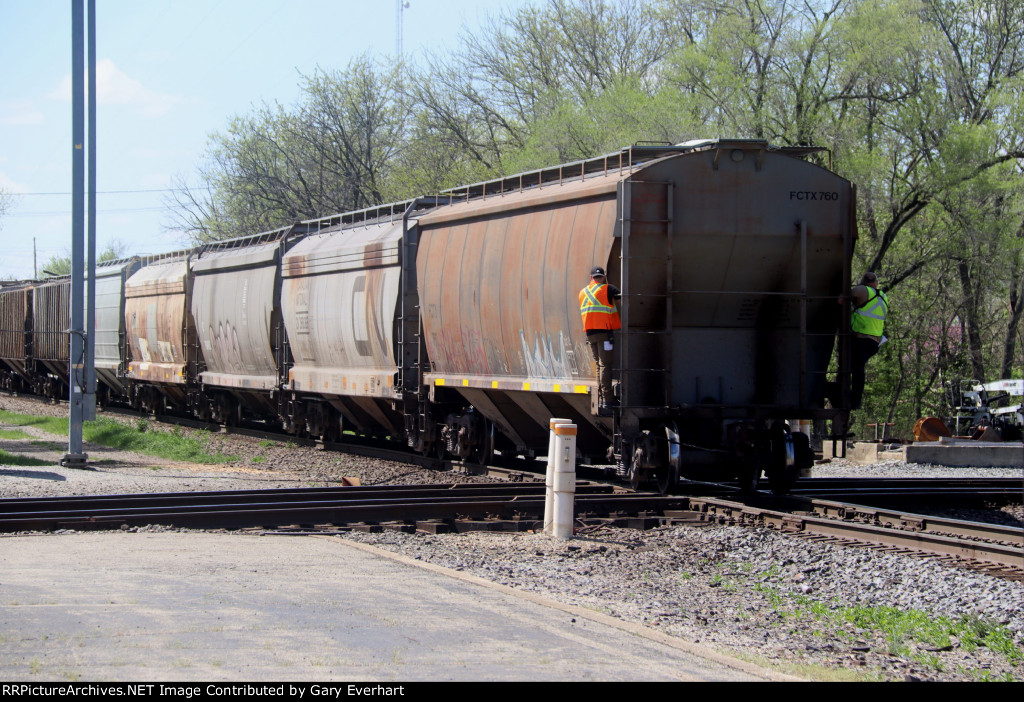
483, 452
643, 460
668, 464
637, 475
668, 479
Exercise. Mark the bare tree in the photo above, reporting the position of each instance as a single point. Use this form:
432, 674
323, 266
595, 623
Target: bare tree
331, 153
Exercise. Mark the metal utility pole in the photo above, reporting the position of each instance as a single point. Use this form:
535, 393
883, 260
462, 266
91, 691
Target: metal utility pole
89, 409
77, 383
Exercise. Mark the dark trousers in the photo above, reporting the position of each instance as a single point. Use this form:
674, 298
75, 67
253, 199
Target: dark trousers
863, 349
603, 359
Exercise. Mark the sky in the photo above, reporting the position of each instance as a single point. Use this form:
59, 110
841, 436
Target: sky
169, 74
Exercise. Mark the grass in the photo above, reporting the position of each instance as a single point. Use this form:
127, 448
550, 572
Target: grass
903, 627
141, 438
13, 459
13, 434
810, 671
900, 626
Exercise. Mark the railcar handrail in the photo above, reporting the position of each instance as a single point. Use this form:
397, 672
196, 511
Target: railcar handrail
388, 212
624, 160
268, 237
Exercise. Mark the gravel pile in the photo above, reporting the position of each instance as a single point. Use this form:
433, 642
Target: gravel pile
811, 608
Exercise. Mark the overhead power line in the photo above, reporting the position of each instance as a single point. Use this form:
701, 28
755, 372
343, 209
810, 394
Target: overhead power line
124, 192
62, 213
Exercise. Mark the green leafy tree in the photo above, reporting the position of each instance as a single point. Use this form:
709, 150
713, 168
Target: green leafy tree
511, 85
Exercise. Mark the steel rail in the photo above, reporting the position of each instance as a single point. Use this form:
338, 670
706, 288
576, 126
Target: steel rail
247, 511
905, 521
943, 493
906, 483
1009, 552
256, 496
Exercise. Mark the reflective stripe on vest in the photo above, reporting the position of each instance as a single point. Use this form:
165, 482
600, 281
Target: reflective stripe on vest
596, 310
870, 319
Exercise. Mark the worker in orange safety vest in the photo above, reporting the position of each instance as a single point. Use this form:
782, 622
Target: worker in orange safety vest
600, 319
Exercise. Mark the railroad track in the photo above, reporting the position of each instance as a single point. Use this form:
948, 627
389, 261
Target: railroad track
995, 549
526, 470
995, 490
432, 508
910, 488
819, 508
998, 550
892, 489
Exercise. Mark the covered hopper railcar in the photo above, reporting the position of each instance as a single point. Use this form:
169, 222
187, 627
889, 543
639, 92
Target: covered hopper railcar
351, 312
16, 371
51, 348
111, 340
453, 323
235, 305
730, 256
163, 356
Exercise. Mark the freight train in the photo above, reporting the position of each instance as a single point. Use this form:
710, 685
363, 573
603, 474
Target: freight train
451, 323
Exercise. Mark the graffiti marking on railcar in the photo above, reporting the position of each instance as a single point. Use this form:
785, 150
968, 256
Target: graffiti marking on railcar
547, 359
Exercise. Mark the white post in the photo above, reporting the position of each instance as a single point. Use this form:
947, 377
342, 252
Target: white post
565, 480
549, 481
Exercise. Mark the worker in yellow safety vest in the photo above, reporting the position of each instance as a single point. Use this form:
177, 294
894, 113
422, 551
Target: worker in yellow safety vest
870, 308
600, 319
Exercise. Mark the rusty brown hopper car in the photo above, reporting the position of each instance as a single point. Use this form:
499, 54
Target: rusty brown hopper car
164, 357
730, 256
16, 336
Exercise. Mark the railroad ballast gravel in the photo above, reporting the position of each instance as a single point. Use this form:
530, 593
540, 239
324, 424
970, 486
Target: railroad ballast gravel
751, 592
258, 464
